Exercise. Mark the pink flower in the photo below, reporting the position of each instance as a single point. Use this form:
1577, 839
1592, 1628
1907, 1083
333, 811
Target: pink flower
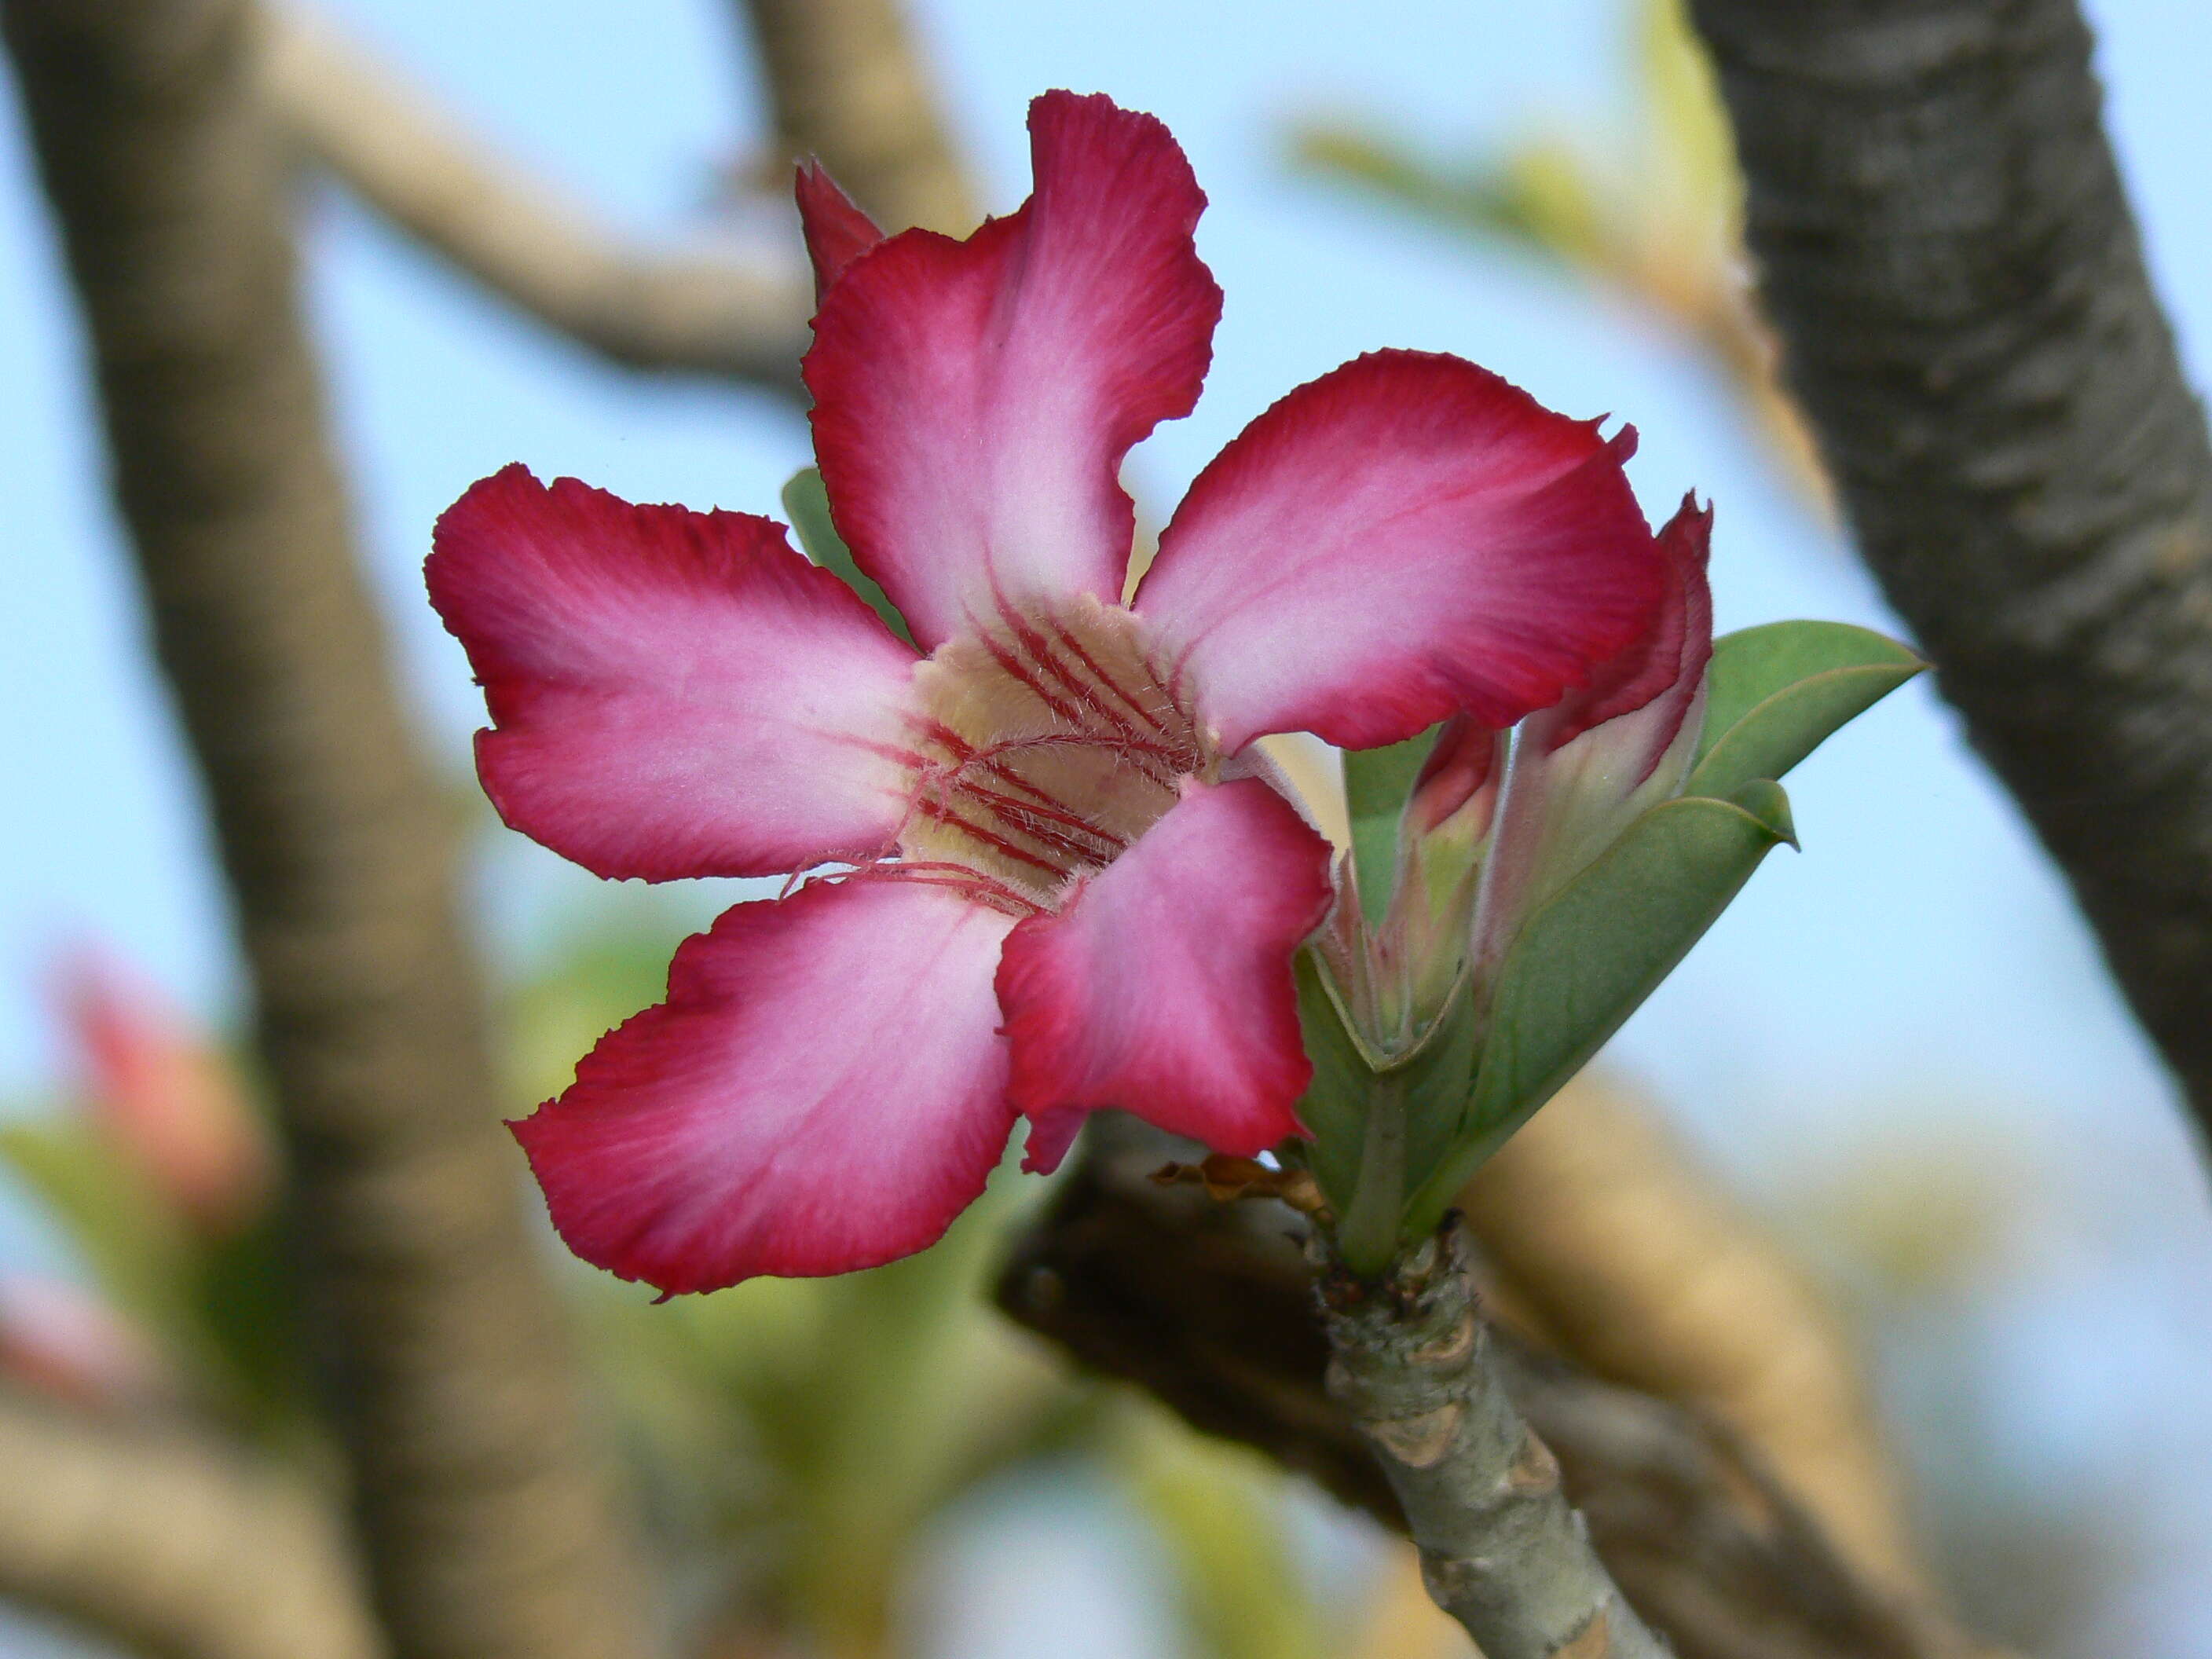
65, 1343
1075, 882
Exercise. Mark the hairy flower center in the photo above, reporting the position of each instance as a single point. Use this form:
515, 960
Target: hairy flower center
1046, 743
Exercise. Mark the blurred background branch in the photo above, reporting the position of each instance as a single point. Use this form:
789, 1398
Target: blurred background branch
484, 1514
1608, 1240
1946, 249
165, 1541
697, 310
848, 85
1654, 223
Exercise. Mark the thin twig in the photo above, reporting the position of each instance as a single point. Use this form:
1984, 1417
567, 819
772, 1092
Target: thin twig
169, 1545
698, 310
483, 1511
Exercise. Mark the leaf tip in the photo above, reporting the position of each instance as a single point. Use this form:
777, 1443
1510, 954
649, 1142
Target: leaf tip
1768, 804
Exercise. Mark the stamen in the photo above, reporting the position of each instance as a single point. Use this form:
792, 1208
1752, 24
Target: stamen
1036, 644
1041, 808
1019, 670
991, 758
1069, 851
1043, 653
1034, 818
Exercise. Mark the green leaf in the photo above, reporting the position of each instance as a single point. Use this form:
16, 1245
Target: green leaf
1586, 960
1776, 692
1376, 784
147, 1264
808, 506
248, 1301
1438, 1076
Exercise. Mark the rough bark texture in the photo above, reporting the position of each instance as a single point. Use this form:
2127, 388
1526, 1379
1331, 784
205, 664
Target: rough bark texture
485, 1519
698, 310
1501, 1550
156, 1540
1946, 251
847, 87
1209, 1307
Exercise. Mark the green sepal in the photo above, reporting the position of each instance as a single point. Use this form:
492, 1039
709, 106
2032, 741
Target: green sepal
1422, 1090
1377, 782
1776, 692
1589, 956
807, 505
1334, 1106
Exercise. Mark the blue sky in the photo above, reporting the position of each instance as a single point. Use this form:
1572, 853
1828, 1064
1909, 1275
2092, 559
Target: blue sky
1918, 930
1915, 976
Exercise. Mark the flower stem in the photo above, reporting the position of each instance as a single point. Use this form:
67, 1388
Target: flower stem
1501, 1550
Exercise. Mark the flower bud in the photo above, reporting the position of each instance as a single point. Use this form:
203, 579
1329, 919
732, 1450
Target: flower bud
1586, 768
166, 1095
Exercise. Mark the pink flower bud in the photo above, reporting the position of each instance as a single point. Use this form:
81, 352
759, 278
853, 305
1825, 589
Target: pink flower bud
165, 1093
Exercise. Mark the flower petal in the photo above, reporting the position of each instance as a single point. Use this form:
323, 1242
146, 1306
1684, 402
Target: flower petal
972, 400
1164, 986
837, 232
1663, 667
1461, 776
1052, 1132
823, 1089
1405, 538
672, 693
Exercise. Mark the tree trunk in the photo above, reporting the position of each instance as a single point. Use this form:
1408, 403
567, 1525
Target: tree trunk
485, 1519
1946, 251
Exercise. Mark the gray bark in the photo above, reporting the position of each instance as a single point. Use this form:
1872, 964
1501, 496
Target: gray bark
1501, 1550
483, 1512
1946, 252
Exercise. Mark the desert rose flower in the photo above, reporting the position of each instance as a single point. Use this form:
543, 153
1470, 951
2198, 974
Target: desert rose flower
1052, 872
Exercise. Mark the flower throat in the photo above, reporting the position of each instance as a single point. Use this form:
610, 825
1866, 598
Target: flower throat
1046, 742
